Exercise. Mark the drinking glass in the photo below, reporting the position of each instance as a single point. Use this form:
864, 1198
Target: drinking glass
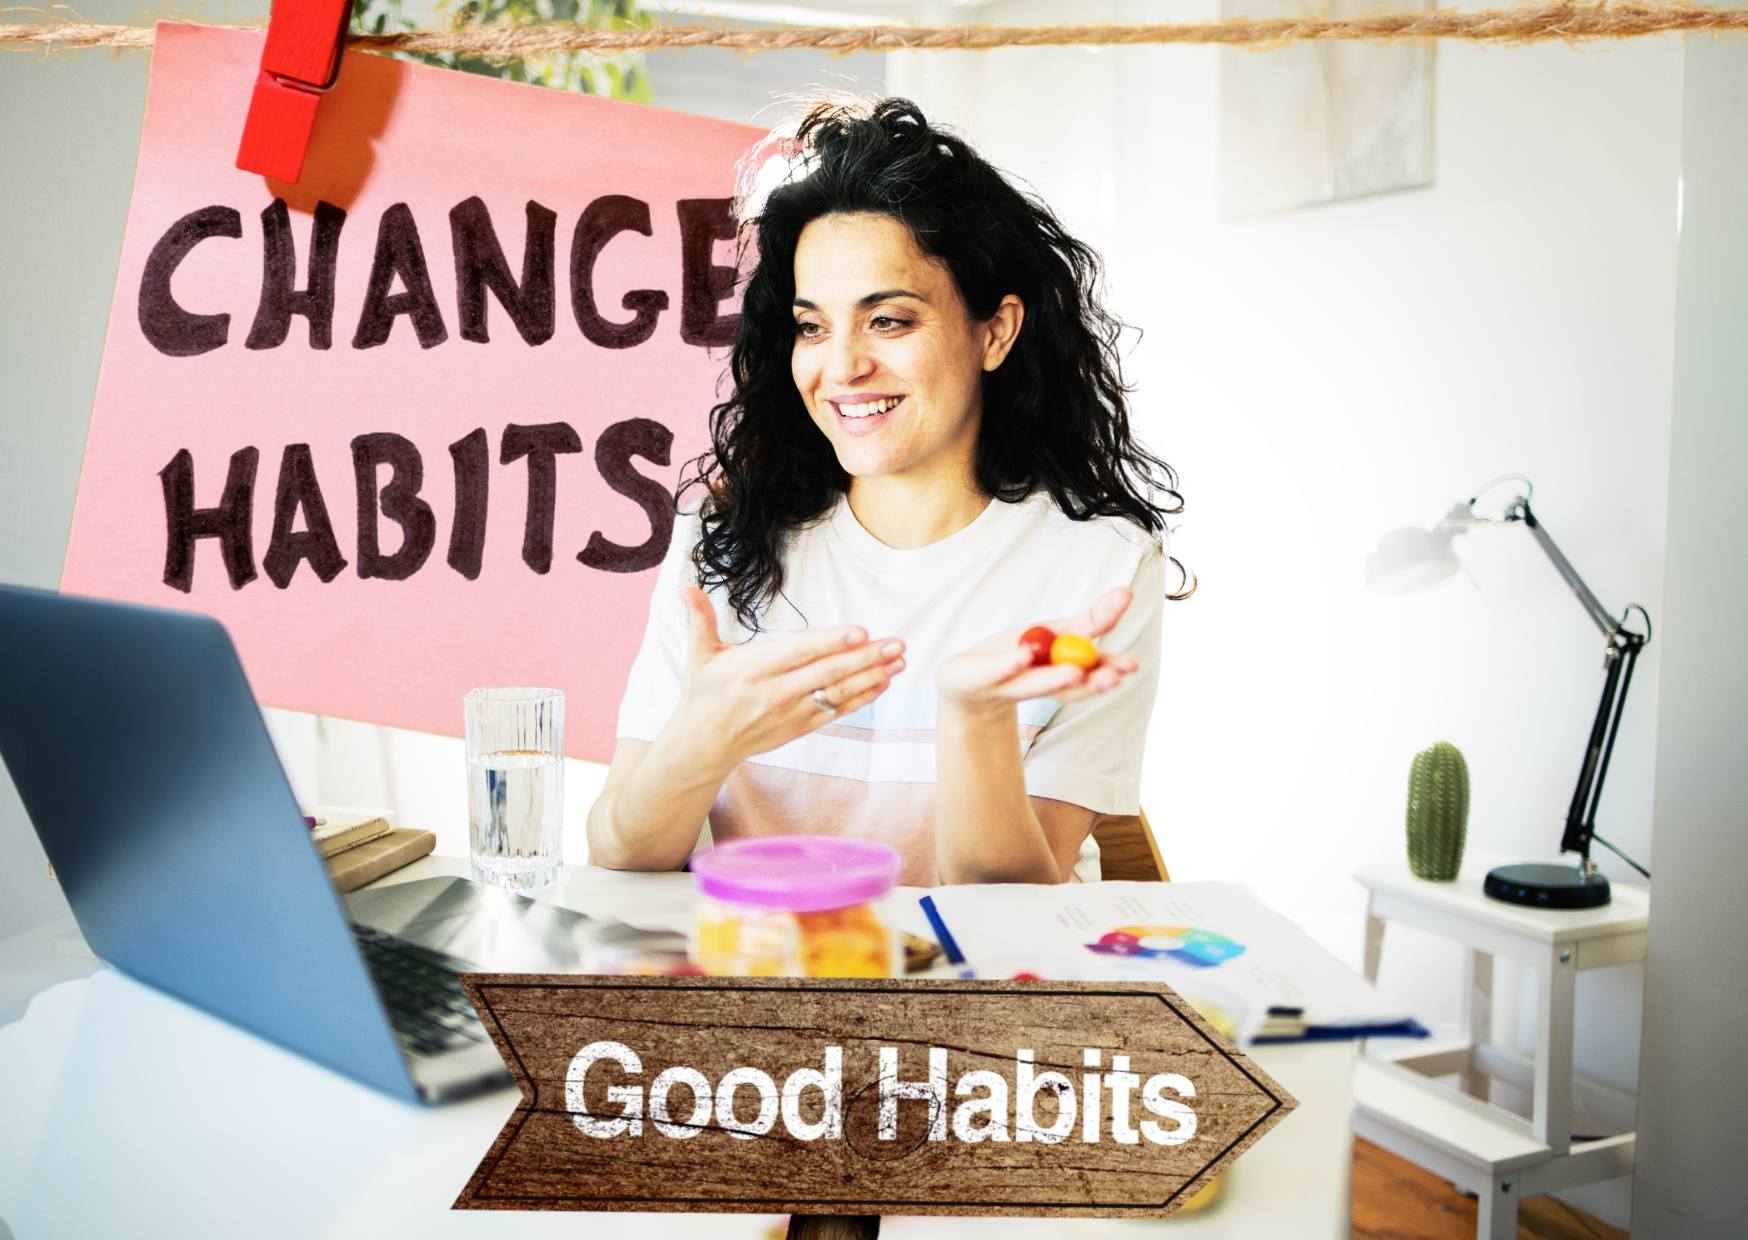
515, 786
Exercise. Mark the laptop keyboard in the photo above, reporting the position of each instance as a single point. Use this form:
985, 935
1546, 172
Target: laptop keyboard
425, 1002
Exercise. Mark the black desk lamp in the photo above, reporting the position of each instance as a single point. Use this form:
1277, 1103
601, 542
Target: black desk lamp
1407, 559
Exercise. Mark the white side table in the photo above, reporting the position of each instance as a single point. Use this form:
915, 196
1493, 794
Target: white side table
1459, 1134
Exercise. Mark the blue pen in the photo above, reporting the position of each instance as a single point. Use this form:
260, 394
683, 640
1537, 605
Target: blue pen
944, 937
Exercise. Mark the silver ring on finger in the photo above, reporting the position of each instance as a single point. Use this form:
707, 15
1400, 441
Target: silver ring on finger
823, 702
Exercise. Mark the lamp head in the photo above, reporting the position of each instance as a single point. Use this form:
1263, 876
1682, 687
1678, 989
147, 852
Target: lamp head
1410, 558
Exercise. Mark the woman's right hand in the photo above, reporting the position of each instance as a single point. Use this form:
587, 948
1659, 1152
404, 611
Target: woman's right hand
742, 700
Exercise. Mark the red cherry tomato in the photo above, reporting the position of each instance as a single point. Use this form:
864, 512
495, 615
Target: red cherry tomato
1038, 640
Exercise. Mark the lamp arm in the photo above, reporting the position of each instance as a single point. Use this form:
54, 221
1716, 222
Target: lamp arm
1519, 510
1581, 814
1618, 660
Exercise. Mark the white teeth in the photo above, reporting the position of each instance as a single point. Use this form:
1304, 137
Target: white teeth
867, 409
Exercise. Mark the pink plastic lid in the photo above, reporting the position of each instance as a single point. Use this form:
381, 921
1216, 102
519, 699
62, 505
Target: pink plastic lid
797, 873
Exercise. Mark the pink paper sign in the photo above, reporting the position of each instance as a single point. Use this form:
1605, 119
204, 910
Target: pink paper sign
413, 425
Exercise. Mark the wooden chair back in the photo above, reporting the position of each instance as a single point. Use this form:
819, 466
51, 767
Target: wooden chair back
1128, 851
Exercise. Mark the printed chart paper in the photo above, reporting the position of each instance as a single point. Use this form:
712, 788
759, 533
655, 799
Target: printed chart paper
1213, 943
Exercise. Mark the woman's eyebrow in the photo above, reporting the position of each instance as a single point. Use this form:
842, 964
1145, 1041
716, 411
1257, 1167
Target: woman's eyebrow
871, 299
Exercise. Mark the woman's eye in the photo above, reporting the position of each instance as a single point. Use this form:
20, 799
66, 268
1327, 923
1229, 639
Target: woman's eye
883, 323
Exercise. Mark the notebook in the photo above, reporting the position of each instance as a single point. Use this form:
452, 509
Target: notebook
337, 828
366, 863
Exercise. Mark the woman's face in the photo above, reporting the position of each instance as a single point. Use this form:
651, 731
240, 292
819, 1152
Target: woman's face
876, 320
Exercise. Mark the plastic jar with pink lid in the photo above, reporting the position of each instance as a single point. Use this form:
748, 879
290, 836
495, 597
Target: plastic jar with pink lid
795, 906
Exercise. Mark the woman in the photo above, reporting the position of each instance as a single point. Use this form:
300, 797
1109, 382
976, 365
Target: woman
926, 452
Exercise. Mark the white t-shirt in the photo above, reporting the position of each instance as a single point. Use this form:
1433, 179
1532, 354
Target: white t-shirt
871, 773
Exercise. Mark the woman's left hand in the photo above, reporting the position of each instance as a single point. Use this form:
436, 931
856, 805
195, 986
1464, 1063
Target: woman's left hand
996, 674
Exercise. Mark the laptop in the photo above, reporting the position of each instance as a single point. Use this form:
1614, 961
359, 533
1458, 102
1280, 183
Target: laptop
147, 769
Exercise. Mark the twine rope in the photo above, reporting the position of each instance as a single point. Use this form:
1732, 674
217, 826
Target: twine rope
1566, 20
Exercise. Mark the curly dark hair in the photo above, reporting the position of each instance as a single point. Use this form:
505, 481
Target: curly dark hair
1055, 411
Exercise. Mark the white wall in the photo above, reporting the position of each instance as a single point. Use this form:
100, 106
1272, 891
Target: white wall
1688, 1180
67, 148
1321, 376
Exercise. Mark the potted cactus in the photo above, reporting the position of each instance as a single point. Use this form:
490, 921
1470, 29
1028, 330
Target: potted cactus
1438, 811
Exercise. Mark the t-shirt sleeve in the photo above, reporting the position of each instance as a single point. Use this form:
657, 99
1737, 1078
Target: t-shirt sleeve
652, 691
1090, 752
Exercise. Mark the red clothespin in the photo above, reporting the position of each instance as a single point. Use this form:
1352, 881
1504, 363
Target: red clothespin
301, 60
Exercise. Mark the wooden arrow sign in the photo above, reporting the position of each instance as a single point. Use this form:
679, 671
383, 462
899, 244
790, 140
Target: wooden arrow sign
818, 1096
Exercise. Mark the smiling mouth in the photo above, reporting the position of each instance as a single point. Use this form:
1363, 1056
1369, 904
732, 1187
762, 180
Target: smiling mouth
865, 411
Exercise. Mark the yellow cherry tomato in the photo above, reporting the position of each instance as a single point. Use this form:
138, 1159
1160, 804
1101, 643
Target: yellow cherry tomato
1072, 648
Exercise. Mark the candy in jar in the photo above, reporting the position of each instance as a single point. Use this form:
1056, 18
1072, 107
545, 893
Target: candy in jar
795, 906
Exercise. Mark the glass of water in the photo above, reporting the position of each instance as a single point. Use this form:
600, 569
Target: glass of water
515, 786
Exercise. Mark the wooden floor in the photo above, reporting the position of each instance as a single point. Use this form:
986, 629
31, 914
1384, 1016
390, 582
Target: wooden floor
1395, 1200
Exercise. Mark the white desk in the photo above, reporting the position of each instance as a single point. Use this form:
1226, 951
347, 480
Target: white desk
1461, 1136
128, 1112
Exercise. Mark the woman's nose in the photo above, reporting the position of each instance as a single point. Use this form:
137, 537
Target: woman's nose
848, 358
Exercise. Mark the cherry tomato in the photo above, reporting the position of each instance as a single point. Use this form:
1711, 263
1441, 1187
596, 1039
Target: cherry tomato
1038, 640
1071, 648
